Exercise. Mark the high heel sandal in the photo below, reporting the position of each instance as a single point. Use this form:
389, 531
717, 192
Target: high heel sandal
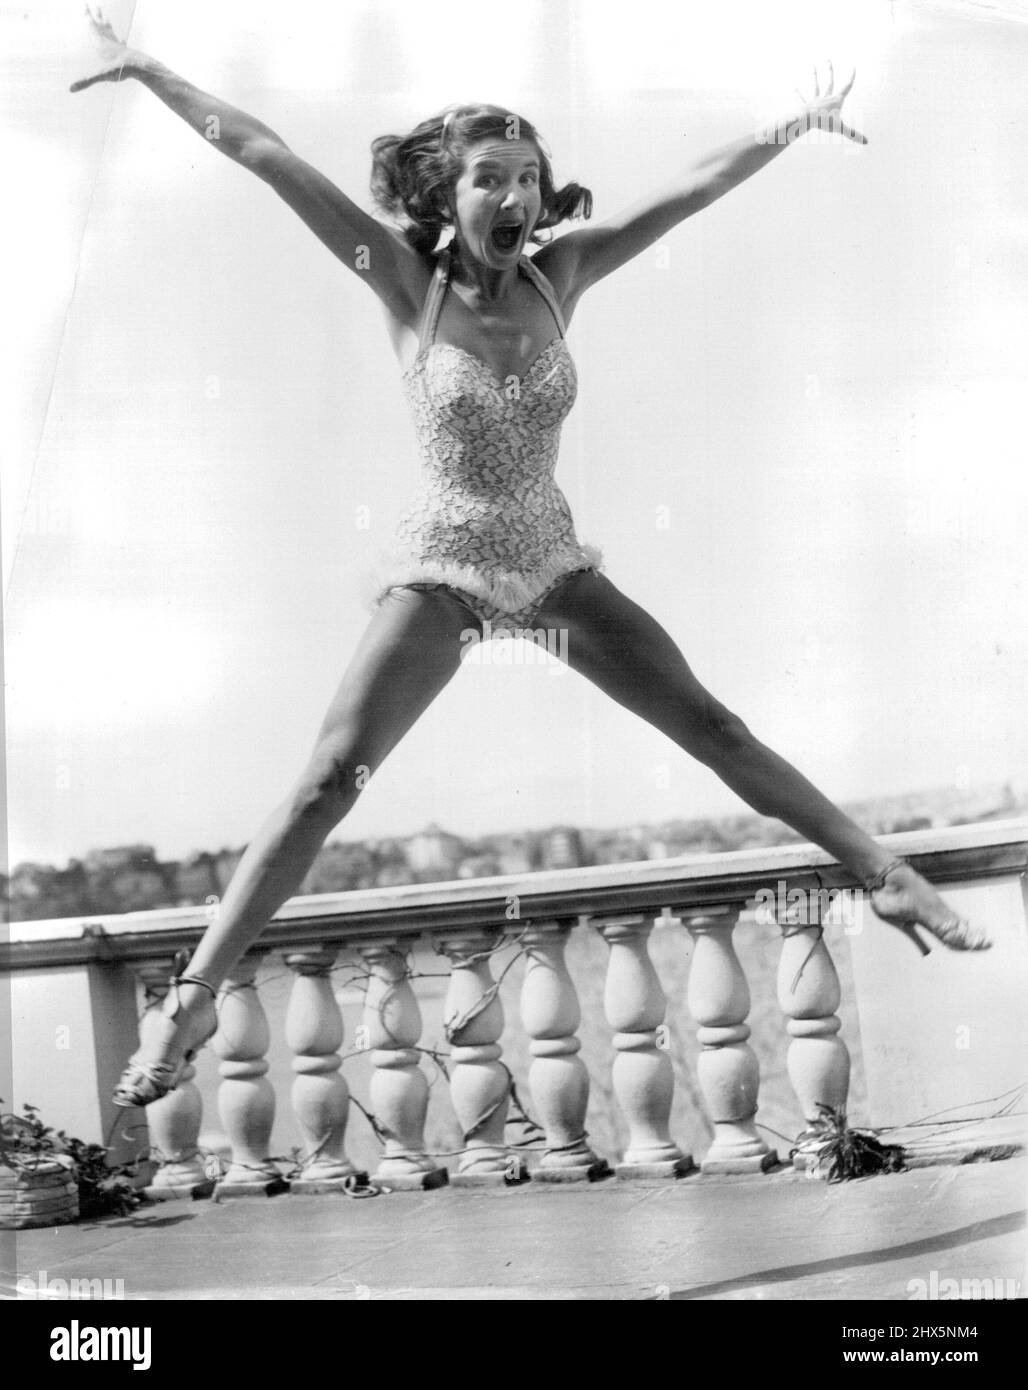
142, 1082
955, 932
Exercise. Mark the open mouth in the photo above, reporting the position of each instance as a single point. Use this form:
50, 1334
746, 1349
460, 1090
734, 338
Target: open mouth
506, 235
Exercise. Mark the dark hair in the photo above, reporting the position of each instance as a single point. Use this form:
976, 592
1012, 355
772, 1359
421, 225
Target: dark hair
412, 176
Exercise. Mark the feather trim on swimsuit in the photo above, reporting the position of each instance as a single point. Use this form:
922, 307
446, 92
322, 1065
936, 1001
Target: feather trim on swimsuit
506, 589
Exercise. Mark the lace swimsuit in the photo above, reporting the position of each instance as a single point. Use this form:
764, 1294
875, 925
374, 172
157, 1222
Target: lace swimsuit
489, 523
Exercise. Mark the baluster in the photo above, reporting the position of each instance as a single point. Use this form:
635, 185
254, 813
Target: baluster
246, 1100
729, 1074
174, 1121
558, 1079
399, 1089
642, 1075
818, 1060
479, 1084
320, 1095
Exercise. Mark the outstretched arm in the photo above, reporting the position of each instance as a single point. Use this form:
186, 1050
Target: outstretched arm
578, 260
381, 256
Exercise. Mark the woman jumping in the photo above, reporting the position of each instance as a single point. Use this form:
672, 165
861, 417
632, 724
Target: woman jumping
478, 328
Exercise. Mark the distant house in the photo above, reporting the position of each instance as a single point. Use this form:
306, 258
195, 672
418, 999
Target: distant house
435, 853
562, 848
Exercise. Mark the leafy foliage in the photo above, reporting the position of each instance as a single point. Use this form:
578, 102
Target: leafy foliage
105, 1189
847, 1153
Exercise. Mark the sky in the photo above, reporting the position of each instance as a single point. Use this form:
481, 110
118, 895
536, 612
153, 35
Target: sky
798, 438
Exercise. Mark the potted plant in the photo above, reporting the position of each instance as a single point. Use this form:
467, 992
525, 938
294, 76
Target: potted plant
48, 1178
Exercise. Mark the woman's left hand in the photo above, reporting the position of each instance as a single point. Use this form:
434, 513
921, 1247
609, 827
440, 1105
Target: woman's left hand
823, 111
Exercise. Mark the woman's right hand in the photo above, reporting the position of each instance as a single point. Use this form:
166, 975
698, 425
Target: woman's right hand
117, 60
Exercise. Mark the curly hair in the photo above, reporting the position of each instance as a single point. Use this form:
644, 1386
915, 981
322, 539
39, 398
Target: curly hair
412, 176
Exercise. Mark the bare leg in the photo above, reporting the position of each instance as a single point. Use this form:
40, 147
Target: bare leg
629, 656
408, 652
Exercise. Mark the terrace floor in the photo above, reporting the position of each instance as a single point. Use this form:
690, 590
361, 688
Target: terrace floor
776, 1236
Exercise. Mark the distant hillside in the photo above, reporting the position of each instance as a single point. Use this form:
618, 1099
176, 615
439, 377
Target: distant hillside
130, 878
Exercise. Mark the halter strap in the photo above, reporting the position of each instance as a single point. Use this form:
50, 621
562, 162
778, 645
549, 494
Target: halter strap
434, 300
544, 287
441, 279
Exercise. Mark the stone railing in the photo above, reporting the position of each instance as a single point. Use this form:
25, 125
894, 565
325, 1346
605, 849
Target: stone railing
934, 1036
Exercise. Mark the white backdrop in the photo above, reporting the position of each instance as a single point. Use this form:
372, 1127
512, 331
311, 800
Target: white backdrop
798, 437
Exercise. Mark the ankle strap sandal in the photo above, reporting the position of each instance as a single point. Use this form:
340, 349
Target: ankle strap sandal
953, 931
145, 1079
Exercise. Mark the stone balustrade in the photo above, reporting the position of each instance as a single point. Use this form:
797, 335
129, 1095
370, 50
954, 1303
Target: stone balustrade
73, 973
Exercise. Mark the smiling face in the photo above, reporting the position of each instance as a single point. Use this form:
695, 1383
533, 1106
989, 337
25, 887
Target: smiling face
496, 200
